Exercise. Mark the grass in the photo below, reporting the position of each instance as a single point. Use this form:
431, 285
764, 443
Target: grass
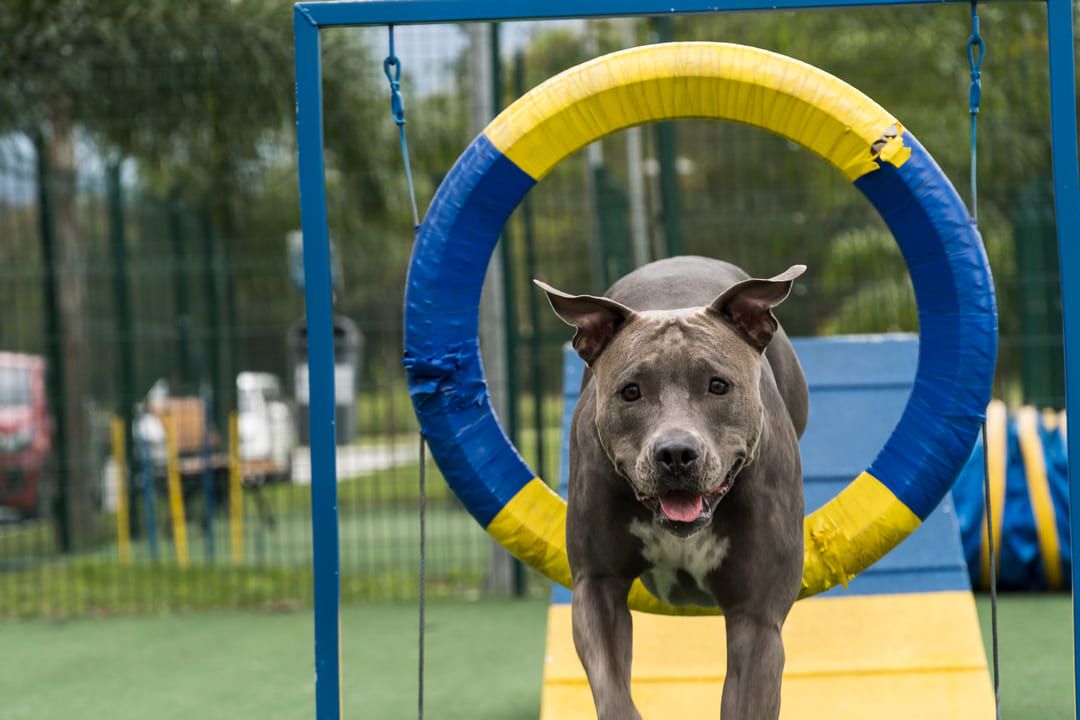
380, 560
379, 539
1036, 654
484, 662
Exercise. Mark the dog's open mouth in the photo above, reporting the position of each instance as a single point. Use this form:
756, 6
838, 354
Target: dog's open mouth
689, 509
680, 506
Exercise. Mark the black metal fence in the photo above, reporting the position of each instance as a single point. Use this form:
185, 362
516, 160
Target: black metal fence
152, 399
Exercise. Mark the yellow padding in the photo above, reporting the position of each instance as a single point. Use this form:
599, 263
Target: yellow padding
842, 538
875, 656
996, 446
1042, 505
851, 532
698, 80
532, 526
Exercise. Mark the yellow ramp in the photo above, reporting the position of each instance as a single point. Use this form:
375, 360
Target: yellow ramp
878, 657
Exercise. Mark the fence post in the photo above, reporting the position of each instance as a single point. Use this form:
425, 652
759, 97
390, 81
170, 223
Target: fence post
535, 345
119, 448
212, 267
125, 399
180, 294
176, 493
666, 148
53, 333
236, 492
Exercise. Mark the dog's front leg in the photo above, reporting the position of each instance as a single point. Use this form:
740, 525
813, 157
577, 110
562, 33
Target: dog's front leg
755, 663
603, 636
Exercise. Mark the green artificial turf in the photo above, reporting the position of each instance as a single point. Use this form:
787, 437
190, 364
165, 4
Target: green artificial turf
484, 662
1035, 636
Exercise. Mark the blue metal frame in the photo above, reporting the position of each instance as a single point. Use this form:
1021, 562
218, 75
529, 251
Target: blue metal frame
320, 338
1059, 18
309, 18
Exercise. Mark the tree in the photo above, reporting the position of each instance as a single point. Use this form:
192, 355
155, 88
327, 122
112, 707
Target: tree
106, 72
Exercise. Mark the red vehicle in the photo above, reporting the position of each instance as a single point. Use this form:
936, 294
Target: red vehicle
25, 432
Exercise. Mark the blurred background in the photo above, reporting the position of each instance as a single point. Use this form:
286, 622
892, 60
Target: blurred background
151, 281
153, 400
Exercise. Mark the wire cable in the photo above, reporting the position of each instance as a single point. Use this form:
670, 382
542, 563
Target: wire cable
423, 583
976, 51
392, 70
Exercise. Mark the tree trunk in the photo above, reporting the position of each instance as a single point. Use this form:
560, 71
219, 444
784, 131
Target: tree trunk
77, 481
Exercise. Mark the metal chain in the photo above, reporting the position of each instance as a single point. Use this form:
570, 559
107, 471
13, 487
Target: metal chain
392, 70
976, 51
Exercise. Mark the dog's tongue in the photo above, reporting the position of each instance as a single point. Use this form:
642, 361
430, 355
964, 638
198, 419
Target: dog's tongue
681, 506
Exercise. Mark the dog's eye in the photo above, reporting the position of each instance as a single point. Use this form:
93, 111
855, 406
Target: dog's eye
630, 393
719, 387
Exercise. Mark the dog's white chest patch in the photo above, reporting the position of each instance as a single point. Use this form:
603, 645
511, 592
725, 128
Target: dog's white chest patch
667, 554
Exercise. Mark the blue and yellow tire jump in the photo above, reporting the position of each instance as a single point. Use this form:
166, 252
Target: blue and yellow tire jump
944, 253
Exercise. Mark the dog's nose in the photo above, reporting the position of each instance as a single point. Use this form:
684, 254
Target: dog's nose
676, 455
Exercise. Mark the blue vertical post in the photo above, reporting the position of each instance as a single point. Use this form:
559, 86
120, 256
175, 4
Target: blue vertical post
317, 290
1067, 211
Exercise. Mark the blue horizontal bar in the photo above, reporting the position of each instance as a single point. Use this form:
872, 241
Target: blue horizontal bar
407, 12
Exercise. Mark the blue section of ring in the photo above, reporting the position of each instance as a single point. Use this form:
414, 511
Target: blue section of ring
957, 327
442, 353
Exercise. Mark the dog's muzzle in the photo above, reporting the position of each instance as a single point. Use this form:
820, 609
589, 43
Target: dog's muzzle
683, 510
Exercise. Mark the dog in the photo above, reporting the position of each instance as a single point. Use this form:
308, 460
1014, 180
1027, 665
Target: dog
685, 469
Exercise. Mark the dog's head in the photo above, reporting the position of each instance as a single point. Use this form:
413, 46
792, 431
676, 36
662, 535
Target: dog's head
678, 405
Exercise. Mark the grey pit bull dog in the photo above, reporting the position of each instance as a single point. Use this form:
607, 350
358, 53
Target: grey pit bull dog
685, 469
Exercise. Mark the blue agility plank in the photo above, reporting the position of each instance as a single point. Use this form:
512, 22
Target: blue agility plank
858, 389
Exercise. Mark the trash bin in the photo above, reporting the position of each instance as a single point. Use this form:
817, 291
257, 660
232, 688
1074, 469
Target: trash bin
348, 347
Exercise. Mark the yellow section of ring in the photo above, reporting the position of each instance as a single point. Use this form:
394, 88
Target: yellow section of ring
698, 80
842, 538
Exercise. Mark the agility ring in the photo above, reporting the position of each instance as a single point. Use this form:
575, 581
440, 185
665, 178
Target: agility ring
943, 250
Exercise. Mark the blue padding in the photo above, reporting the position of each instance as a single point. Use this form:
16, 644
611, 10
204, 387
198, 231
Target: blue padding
1020, 564
958, 328
442, 354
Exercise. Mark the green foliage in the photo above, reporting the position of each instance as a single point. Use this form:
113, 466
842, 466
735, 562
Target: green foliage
882, 302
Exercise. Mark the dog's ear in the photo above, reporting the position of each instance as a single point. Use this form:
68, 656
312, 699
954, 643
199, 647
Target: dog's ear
597, 319
747, 306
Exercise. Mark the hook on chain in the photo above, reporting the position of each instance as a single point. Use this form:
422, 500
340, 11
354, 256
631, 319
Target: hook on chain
392, 70
976, 50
